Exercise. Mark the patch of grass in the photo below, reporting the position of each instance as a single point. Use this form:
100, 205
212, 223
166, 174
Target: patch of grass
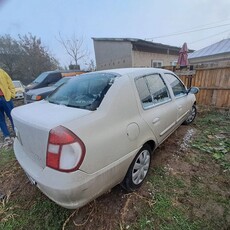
170, 216
143, 223
197, 199
42, 214
161, 179
16, 213
174, 203
214, 137
166, 213
190, 203
6, 156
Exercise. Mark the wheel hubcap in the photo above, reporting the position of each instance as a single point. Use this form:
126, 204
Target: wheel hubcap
192, 115
141, 167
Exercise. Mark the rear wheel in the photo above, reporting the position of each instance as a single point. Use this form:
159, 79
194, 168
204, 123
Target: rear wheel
191, 116
138, 169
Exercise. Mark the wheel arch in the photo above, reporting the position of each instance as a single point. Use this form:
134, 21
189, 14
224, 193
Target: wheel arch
151, 144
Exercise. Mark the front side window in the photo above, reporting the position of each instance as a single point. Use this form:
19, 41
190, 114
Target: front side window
152, 90
85, 92
177, 86
158, 89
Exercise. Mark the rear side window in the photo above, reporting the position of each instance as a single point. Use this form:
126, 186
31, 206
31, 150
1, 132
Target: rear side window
41, 77
177, 86
152, 90
85, 92
48, 77
53, 77
144, 93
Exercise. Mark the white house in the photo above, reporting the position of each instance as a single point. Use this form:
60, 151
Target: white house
113, 53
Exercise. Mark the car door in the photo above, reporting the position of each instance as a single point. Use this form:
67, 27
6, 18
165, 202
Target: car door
158, 109
180, 94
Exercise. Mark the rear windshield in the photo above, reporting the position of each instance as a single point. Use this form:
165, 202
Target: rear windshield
86, 91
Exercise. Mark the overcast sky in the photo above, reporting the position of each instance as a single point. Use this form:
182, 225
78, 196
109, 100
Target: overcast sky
198, 22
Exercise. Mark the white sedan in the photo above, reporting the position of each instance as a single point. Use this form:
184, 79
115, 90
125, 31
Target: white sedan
19, 89
99, 130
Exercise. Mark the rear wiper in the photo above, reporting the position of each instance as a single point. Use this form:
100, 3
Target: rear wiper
74, 106
87, 107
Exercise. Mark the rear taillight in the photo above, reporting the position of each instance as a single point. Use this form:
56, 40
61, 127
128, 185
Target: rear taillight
65, 150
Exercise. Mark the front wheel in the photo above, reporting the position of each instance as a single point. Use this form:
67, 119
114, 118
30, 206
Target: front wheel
138, 169
191, 116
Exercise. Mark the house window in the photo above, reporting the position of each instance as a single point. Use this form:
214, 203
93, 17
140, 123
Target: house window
173, 63
156, 64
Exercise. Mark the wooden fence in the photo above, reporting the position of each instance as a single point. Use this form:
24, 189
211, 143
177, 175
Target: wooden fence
214, 84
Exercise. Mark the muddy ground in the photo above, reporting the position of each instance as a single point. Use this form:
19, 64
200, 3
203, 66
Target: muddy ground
117, 209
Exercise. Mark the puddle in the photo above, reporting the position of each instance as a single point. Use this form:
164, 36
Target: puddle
186, 140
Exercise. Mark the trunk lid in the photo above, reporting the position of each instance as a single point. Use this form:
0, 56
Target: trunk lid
33, 123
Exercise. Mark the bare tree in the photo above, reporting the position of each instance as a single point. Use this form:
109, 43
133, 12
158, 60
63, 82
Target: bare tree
25, 58
37, 58
74, 47
91, 65
10, 55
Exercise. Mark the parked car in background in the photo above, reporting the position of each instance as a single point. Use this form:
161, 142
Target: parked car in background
98, 130
49, 78
19, 88
41, 93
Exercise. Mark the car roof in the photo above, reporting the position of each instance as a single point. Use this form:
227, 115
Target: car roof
135, 71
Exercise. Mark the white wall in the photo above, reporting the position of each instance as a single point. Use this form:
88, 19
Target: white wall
143, 59
111, 55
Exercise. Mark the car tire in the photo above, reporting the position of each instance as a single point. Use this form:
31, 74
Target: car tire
138, 169
191, 116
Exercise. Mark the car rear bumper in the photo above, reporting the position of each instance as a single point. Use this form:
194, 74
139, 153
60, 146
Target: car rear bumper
73, 190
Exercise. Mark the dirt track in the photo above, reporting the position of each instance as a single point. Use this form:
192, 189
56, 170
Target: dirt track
117, 209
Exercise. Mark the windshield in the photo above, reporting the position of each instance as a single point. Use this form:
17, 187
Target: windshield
17, 84
61, 81
85, 92
41, 77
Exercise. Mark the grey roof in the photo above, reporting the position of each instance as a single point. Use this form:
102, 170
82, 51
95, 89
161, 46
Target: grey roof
214, 49
117, 39
140, 42
135, 40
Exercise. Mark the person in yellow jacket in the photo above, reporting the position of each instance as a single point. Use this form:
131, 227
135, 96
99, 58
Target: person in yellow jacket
7, 92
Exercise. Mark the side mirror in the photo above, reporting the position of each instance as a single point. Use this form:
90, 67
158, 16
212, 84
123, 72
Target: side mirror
193, 90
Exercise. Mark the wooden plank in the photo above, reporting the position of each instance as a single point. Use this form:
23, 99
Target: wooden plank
214, 84
185, 72
214, 88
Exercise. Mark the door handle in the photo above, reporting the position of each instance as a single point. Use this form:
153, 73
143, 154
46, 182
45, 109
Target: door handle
179, 107
155, 120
